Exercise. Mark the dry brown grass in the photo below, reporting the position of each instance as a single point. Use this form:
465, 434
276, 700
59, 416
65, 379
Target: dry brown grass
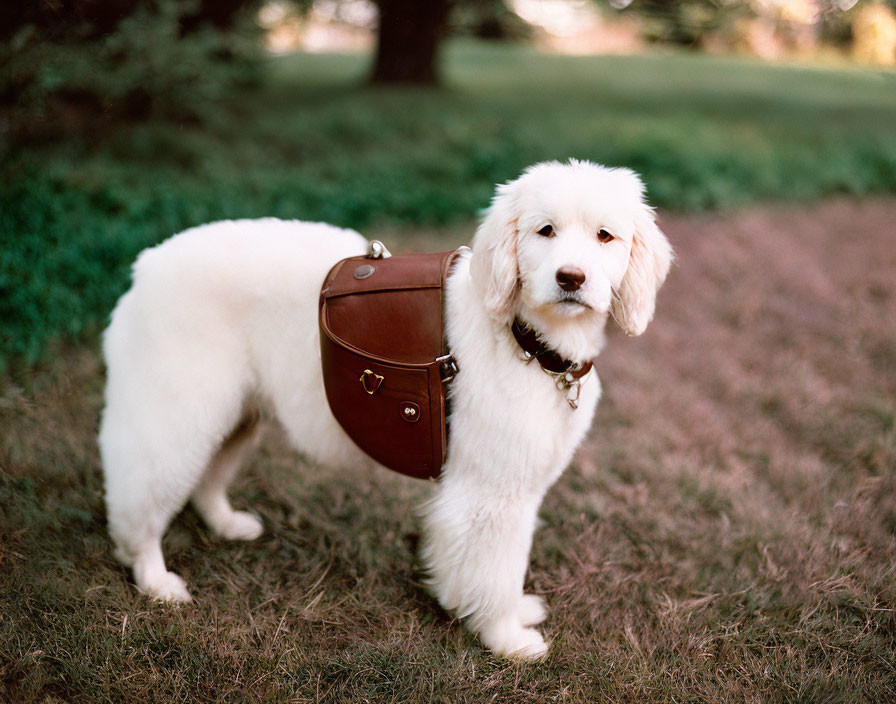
728, 533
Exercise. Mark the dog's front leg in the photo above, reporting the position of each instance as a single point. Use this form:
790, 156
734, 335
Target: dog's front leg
476, 549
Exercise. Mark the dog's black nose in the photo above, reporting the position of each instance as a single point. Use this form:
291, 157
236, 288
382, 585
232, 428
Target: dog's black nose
570, 278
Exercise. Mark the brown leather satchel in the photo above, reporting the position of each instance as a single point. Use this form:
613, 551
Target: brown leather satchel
384, 358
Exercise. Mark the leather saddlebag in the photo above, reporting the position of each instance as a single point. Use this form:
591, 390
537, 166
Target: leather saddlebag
384, 357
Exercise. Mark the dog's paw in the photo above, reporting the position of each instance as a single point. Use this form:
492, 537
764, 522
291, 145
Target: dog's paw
167, 587
511, 640
240, 525
532, 610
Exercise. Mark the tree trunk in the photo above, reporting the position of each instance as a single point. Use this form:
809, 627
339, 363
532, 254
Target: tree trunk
408, 40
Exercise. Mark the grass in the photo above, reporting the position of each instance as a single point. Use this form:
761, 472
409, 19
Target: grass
311, 143
727, 533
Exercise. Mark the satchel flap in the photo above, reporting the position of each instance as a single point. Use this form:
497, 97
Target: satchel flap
404, 271
388, 308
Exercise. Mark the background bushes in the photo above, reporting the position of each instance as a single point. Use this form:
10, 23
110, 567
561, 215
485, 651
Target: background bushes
73, 66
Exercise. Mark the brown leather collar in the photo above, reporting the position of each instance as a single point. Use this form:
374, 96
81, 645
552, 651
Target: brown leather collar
549, 360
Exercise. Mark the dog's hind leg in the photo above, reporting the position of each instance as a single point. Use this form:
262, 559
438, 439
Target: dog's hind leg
156, 441
148, 480
145, 488
147, 484
210, 496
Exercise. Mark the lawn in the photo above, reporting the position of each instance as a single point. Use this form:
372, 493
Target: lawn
312, 143
727, 533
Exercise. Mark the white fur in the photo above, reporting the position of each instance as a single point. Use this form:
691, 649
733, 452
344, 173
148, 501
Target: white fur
223, 318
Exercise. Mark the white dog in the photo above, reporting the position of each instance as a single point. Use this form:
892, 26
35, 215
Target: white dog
222, 319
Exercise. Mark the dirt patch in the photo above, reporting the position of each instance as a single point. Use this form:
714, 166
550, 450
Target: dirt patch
728, 532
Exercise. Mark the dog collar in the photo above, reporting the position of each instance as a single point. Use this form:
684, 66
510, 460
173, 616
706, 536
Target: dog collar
568, 374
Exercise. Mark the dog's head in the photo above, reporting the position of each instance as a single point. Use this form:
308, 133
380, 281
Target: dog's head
571, 243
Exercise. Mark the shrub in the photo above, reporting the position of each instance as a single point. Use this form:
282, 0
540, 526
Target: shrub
152, 59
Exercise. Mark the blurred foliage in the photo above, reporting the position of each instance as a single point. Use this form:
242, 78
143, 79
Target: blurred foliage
686, 22
311, 143
488, 19
691, 22
64, 67
66, 63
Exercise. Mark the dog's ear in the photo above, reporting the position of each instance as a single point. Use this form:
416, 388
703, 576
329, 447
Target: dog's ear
648, 265
494, 267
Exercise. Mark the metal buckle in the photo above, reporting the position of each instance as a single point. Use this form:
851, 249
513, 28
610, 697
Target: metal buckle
447, 367
526, 357
572, 395
572, 386
377, 250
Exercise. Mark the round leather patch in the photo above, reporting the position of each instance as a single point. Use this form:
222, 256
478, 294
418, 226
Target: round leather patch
365, 270
409, 411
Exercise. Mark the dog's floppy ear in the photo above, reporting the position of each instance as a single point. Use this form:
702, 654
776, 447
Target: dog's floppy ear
648, 265
494, 267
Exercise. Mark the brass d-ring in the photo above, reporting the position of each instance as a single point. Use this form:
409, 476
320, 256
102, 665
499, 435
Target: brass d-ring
371, 381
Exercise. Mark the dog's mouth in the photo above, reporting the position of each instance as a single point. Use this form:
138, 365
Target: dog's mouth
570, 301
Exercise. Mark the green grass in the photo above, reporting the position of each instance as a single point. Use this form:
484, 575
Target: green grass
313, 143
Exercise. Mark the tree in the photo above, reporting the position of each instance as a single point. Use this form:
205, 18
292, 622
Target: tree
410, 33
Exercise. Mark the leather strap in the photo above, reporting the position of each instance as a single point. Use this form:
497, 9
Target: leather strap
549, 360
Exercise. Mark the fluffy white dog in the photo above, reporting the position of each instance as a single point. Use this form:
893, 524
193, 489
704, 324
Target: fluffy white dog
222, 319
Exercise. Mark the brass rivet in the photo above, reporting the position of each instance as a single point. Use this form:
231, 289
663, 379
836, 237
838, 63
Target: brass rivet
363, 271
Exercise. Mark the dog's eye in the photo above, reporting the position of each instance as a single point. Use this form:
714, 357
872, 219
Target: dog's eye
605, 236
547, 231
